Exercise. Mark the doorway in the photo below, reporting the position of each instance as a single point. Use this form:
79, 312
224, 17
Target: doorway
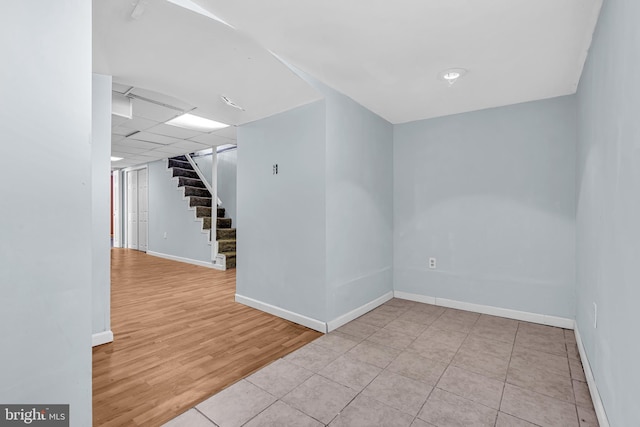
137, 209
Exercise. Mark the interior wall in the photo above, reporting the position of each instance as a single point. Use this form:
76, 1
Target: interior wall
608, 209
359, 197
491, 195
45, 250
228, 182
101, 202
281, 218
169, 213
227, 178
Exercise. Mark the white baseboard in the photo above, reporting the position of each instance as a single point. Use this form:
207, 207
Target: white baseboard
353, 314
101, 338
542, 319
591, 382
285, 314
415, 297
187, 260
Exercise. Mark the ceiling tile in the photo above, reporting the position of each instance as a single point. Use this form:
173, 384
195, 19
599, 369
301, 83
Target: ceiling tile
171, 150
120, 130
230, 132
126, 149
138, 144
152, 137
117, 120
211, 139
152, 111
174, 131
138, 123
116, 138
190, 145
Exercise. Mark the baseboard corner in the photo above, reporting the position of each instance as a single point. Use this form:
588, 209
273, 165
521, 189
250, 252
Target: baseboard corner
100, 338
357, 312
291, 316
598, 406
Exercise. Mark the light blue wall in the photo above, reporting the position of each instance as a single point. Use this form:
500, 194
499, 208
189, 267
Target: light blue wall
169, 212
281, 218
227, 178
608, 209
359, 188
100, 202
228, 182
45, 250
490, 194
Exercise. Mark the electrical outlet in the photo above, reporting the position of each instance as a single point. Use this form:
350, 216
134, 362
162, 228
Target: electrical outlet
595, 315
432, 263
165, 235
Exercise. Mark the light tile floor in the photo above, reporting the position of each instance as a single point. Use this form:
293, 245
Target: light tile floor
412, 364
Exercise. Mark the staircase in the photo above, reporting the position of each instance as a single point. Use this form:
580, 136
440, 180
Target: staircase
200, 199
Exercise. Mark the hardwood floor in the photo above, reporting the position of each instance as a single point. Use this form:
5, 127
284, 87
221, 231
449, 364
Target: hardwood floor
179, 338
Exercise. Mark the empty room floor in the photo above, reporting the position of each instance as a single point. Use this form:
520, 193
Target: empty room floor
179, 338
413, 364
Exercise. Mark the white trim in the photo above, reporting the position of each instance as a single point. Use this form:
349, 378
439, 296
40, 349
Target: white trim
542, 319
598, 406
285, 314
414, 297
357, 312
101, 338
208, 264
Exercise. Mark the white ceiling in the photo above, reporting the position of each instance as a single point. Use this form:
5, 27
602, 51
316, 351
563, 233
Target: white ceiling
385, 55
145, 138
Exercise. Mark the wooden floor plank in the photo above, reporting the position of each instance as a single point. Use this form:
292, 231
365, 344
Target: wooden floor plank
179, 338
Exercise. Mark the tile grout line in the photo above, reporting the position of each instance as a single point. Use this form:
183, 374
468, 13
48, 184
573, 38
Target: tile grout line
504, 383
203, 414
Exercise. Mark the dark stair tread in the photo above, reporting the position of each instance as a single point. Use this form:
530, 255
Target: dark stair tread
228, 254
223, 222
187, 173
191, 182
196, 192
195, 201
203, 211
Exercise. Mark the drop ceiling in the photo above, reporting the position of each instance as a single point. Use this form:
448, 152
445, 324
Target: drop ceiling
385, 55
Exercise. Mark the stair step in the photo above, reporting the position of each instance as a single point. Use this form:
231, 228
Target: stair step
227, 245
206, 223
202, 211
223, 223
188, 173
230, 259
226, 233
180, 158
200, 201
221, 212
197, 191
184, 164
191, 182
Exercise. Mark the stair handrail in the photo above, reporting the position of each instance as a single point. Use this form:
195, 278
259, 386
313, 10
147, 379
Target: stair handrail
196, 168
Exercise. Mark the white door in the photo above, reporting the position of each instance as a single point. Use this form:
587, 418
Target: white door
132, 209
143, 209
116, 209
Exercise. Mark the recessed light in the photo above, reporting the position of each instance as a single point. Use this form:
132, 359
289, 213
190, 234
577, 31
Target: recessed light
115, 159
452, 75
192, 122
